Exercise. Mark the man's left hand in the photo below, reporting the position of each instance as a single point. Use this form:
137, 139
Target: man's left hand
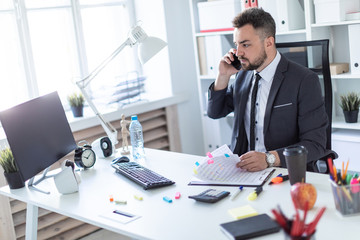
252, 161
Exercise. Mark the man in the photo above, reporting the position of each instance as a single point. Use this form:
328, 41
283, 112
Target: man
288, 108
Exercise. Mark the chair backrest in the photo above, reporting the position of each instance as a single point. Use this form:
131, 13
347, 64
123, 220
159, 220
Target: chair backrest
315, 56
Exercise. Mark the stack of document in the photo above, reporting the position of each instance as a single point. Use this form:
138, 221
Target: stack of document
219, 168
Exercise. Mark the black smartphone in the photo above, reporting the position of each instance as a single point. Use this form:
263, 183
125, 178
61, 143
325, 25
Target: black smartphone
236, 63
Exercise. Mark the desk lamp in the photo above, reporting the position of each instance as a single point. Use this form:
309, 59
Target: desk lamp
148, 47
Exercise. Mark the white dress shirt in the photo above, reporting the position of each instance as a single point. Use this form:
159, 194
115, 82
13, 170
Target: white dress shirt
267, 76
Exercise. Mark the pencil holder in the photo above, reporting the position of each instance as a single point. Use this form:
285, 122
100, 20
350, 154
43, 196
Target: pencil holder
346, 198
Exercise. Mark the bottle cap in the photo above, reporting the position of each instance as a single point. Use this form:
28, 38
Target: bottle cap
134, 117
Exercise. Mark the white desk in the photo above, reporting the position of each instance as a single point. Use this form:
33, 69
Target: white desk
181, 219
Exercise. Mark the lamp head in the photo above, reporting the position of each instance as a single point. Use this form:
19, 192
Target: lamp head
148, 46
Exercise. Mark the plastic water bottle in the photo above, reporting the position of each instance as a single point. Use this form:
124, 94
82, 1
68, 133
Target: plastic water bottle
136, 137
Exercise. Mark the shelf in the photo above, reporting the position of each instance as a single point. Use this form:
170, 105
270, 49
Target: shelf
330, 24
292, 32
346, 76
214, 33
339, 123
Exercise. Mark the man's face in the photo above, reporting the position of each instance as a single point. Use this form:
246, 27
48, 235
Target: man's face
249, 48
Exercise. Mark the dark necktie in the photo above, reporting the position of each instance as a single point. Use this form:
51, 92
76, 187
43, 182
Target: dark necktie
252, 112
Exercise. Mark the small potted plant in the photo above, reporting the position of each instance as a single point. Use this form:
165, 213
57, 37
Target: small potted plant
11, 172
76, 101
350, 104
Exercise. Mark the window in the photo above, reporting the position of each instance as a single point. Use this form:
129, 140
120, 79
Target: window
47, 45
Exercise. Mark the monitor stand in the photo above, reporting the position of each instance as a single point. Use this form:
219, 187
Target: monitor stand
32, 184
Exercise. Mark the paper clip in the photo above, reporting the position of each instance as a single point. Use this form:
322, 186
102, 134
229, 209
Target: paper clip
167, 199
177, 195
138, 197
227, 155
209, 155
210, 161
197, 164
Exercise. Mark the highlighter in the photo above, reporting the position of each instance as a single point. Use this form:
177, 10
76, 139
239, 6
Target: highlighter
252, 196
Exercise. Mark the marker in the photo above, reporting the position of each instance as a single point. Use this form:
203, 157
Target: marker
252, 196
279, 179
235, 194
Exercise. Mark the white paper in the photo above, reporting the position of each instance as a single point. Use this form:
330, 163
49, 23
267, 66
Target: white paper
221, 169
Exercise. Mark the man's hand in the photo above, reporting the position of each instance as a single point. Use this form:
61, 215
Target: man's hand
226, 70
252, 161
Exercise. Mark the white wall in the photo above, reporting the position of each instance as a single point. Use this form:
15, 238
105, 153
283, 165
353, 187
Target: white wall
170, 19
183, 73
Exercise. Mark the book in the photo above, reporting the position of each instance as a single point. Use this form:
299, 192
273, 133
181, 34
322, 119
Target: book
250, 227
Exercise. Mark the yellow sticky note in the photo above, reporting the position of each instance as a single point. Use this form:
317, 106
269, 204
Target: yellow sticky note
242, 212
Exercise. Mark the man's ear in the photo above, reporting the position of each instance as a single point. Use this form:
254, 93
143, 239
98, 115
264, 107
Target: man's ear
270, 42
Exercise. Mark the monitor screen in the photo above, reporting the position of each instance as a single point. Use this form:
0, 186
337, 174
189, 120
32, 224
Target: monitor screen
38, 133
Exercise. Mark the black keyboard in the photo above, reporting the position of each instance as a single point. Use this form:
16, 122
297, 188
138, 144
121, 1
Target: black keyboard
141, 175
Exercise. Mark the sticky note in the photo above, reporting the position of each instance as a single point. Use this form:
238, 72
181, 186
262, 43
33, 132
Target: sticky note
209, 155
177, 195
167, 199
242, 212
210, 161
138, 197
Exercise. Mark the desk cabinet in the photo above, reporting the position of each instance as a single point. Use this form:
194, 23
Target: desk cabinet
209, 47
160, 132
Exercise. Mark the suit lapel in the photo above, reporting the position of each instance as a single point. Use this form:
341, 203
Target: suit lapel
277, 81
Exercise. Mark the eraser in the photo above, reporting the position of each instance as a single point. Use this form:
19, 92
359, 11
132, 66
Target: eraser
138, 197
167, 199
177, 195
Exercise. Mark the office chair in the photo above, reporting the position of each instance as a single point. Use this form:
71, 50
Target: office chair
315, 56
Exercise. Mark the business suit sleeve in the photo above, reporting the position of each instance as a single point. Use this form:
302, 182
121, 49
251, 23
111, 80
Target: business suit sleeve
220, 103
312, 119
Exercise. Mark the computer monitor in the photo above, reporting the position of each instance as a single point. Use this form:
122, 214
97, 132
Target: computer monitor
38, 134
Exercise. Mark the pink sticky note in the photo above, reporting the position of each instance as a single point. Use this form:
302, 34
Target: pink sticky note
209, 155
210, 161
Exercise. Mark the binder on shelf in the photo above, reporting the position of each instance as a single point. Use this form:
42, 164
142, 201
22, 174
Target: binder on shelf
202, 56
254, 3
288, 14
247, 4
354, 36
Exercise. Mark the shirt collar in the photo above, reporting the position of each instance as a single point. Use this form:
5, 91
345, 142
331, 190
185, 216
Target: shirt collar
268, 73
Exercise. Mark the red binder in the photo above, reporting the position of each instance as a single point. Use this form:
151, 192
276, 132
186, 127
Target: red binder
254, 3
247, 3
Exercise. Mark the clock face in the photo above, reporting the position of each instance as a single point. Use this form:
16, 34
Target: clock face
88, 158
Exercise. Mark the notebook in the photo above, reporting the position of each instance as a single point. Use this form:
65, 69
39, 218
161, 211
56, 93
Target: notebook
250, 227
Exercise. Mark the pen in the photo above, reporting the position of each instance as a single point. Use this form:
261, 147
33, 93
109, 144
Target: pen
235, 194
252, 196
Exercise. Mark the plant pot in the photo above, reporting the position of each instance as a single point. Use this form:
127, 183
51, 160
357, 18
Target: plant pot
351, 116
14, 180
77, 111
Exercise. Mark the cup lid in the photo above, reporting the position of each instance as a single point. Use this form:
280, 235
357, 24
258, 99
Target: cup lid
295, 150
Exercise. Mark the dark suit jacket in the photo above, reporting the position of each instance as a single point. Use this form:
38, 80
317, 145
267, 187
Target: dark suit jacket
294, 115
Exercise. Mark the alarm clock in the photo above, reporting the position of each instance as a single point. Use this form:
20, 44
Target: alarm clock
84, 157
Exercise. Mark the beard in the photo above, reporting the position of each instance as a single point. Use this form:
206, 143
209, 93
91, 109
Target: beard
255, 64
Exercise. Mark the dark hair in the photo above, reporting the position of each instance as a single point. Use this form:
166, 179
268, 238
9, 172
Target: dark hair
259, 19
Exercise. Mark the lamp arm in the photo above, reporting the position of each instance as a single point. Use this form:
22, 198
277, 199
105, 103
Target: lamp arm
110, 130
82, 84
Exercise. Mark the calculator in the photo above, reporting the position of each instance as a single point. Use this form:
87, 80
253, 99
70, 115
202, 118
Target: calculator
210, 196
